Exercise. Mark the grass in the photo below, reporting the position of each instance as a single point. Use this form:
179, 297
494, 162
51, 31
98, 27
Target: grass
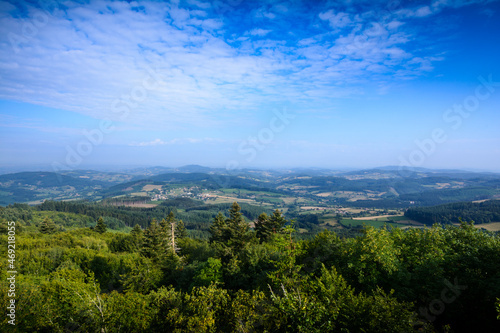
398, 218
374, 223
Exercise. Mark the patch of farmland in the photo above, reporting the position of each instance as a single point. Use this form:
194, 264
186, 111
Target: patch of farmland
494, 226
150, 187
374, 217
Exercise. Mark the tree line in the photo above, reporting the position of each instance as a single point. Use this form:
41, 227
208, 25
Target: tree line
479, 212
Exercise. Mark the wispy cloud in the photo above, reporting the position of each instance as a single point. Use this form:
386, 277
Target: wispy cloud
87, 57
160, 142
259, 32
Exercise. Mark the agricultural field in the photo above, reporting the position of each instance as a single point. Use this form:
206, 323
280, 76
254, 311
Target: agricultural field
379, 221
494, 226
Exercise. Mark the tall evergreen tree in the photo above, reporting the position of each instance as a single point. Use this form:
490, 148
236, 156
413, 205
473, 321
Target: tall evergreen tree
137, 236
180, 230
277, 222
266, 226
47, 226
228, 236
237, 228
100, 226
217, 229
154, 242
137, 232
262, 227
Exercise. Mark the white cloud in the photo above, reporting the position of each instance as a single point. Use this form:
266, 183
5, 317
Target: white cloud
423, 11
339, 20
160, 142
172, 67
200, 4
262, 13
259, 32
156, 142
269, 15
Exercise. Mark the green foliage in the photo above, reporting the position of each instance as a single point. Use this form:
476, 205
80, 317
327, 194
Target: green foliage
144, 275
202, 310
100, 226
373, 258
262, 230
210, 272
180, 230
237, 228
47, 226
229, 236
479, 212
383, 280
137, 231
154, 242
217, 229
266, 226
328, 303
123, 243
498, 308
127, 312
114, 223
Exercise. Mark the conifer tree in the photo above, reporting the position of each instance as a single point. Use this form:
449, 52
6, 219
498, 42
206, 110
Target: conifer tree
277, 222
100, 226
262, 227
137, 235
217, 229
154, 242
47, 226
137, 232
237, 226
266, 226
229, 235
180, 230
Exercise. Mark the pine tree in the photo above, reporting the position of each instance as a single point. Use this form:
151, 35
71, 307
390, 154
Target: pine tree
171, 217
100, 226
47, 226
180, 230
277, 222
137, 232
217, 229
154, 242
262, 227
231, 234
266, 226
137, 236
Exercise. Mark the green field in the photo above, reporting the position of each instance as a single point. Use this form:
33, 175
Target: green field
349, 223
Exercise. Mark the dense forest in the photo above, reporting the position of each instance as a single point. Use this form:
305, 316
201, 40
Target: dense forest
196, 214
479, 212
262, 279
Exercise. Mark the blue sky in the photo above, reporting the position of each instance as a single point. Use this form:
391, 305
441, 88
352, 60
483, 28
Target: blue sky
241, 84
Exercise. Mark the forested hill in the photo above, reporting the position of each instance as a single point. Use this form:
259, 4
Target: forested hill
30, 186
375, 188
195, 214
35, 187
479, 212
438, 279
